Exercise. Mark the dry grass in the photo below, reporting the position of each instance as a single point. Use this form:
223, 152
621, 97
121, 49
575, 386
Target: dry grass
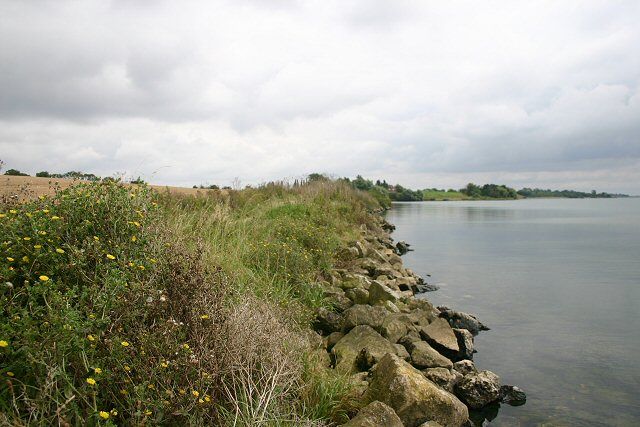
29, 187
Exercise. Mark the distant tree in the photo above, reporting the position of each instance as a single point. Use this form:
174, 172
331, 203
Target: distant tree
138, 180
43, 174
471, 190
15, 172
313, 177
362, 184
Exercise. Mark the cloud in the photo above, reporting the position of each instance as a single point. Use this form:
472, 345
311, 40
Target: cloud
422, 93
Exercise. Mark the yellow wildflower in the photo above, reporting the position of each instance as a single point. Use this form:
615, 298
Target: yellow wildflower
25, 259
104, 415
96, 238
4, 343
125, 344
10, 259
204, 316
182, 391
91, 381
37, 246
2, 215
43, 278
26, 238
147, 412
91, 338
10, 374
200, 401
42, 233
195, 393
185, 346
127, 368
60, 251
134, 238
165, 364
141, 267
124, 392
109, 256
55, 218
13, 211
97, 370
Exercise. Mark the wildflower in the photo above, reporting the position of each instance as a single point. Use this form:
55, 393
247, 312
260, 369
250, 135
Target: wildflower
104, 415
165, 364
45, 211
200, 401
97, 370
42, 233
60, 251
195, 393
13, 211
96, 238
26, 238
124, 344
151, 386
147, 412
55, 218
124, 392
141, 267
91, 338
131, 264
43, 278
3, 215
91, 381
92, 316
114, 412
185, 346
134, 238
25, 259
10, 374
204, 316
109, 256
37, 246
127, 368
207, 398
4, 343
10, 259
182, 391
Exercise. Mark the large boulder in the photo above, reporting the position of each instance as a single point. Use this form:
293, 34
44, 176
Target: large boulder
394, 327
363, 314
327, 321
358, 295
461, 320
441, 337
379, 293
424, 356
465, 342
375, 414
465, 367
479, 389
512, 395
346, 351
414, 398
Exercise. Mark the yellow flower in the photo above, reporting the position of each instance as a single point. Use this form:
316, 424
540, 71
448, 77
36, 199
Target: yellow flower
109, 256
151, 386
207, 398
55, 218
104, 415
3, 215
124, 392
124, 344
134, 238
42, 233
45, 211
13, 211
114, 412
165, 364
185, 346
127, 368
60, 251
96, 238
37, 246
10, 374
10, 259
91, 381
97, 370
204, 316
25, 259
4, 343
92, 316
91, 338
182, 391
147, 412
141, 267
200, 401
43, 278
195, 393
26, 238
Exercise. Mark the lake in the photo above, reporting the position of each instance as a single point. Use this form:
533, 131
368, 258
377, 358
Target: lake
558, 283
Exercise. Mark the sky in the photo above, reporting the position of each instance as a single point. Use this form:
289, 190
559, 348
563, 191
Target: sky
422, 93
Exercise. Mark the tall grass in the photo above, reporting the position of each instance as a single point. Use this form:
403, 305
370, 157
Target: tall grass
122, 306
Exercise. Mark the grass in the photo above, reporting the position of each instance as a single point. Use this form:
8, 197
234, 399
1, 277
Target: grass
120, 305
444, 195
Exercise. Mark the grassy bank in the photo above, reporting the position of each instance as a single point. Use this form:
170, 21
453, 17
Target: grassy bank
120, 305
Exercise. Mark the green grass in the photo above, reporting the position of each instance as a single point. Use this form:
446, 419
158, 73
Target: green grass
444, 195
119, 305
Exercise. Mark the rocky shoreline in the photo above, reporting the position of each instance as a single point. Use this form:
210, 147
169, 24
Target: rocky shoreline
412, 362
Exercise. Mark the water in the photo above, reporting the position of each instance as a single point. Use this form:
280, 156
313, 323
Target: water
558, 282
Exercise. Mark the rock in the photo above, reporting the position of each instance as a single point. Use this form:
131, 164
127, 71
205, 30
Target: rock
445, 378
424, 356
441, 337
460, 320
362, 314
408, 340
465, 367
414, 398
421, 317
337, 298
465, 342
425, 287
479, 389
348, 253
362, 251
391, 307
379, 293
365, 360
402, 352
322, 357
333, 339
430, 424
358, 295
512, 395
348, 348
375, 414
393, 328
402, 247
327, 321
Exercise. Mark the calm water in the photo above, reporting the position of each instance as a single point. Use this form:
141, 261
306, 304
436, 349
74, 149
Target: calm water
558, 281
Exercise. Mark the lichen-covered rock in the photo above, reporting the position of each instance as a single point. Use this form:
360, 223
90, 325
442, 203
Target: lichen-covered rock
465, 367
414, 398
445, 378
402, 352
479, 389
441, 337
393, 327
358, 295
327, 321
424, 356
333, 339
363, 314
375, 414
348, 348
379, 293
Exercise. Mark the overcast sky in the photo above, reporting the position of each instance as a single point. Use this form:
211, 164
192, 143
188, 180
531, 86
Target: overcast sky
424, 93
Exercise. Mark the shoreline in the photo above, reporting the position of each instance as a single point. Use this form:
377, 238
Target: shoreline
411, 361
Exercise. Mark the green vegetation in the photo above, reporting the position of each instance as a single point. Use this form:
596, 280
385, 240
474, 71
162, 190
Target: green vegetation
435, 194
15, 172
571, 194
119, 305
